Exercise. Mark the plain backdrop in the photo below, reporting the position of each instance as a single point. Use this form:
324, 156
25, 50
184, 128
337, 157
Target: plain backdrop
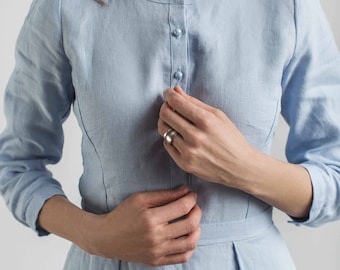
20, 248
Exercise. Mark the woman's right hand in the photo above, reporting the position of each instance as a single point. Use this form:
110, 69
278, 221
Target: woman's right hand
153, 228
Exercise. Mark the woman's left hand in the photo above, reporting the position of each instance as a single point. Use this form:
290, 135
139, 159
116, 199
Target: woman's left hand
211, 147
207, 143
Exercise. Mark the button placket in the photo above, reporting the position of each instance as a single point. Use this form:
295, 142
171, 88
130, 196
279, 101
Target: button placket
179, 67
178, 43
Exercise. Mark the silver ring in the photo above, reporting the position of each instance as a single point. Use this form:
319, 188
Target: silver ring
169, 135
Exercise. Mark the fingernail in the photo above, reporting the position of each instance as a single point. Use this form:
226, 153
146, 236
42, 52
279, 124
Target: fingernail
178, 89
166, 91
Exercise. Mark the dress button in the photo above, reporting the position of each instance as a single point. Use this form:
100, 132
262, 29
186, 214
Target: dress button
177, 32
178, 75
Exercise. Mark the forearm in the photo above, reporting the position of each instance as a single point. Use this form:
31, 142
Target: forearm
60, 217
285, 186
138, 230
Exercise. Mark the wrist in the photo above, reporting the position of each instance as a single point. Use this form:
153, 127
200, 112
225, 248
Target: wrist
242, 174
62, 218
253, 171
87, 228
281, 184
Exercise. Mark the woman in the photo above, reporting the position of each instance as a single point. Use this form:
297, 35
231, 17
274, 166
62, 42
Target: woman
180, 179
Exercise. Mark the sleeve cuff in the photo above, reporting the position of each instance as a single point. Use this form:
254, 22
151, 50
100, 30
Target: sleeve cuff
36, 205
314, 217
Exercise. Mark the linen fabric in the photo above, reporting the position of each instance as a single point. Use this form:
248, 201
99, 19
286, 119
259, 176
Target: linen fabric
251, 59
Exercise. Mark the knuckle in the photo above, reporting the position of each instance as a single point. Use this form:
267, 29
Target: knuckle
200, 213
197, 138
191, 245
204, 123
218, 113
138, 198
210, 118
152, 242
185, 257
190, 155
197, 212
192, 225
192, 240
195, 236
185, 207
154, 255
187, 203
163, 113
148, 219
174, 101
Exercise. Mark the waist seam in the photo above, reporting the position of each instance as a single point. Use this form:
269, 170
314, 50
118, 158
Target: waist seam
238, 230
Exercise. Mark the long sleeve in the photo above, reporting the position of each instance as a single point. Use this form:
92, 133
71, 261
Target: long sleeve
311, 107
37, 101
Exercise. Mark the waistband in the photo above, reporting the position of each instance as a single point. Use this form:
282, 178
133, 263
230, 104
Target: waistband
237, 230
231, 231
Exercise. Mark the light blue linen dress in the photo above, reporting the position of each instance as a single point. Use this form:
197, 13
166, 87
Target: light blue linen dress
251, 59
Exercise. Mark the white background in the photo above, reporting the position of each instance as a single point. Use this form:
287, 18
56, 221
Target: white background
20, 248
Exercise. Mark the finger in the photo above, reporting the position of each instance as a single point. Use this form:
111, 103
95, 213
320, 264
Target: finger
159, 198
190, 108
185, 243
180, 250
176, 148
163, 128
176, 121
181, 105
184, 226
196, 101
174, 209
177, 140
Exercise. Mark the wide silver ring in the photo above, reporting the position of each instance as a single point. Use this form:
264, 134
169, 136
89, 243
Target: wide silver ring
169, 135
